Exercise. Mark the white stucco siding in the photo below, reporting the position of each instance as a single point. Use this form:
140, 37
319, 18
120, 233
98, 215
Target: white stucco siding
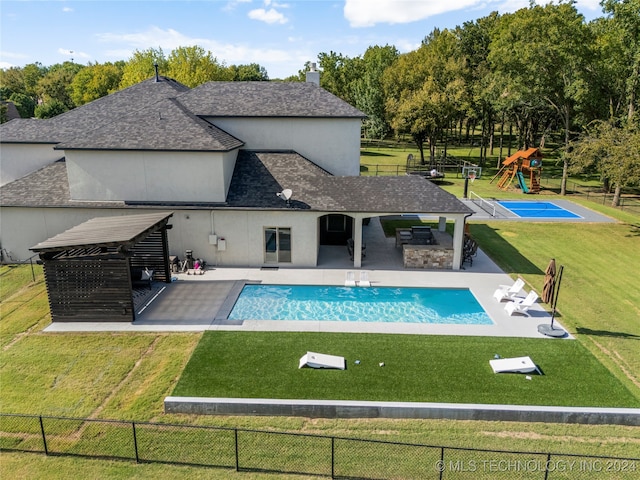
22, 228
229, 164
243, 231
149, 176
332, 143
19, 159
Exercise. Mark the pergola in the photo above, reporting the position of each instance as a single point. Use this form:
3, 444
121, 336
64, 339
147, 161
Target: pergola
88, 268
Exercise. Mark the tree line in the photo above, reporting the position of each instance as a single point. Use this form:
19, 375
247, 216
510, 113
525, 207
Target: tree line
540, 72
44, 92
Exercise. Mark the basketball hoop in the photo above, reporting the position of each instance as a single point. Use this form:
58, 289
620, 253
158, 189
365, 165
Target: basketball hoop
472, 175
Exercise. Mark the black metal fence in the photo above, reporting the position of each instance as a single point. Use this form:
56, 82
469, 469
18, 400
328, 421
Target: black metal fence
628, 202
293, 453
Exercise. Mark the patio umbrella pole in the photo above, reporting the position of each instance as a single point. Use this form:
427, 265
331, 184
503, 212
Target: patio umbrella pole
555, 295
550, 330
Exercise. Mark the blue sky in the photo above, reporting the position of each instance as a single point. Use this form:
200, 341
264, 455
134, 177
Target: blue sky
280, 35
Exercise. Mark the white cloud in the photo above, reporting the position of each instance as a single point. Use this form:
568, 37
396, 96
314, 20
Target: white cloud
593, 5
277, 61
19, 58
67, 9
73, 54
367, 13
268, 16
232, 4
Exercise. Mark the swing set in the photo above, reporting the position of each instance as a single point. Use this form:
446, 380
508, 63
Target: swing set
524, 167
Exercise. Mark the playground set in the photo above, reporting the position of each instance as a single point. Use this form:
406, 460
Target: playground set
525, 167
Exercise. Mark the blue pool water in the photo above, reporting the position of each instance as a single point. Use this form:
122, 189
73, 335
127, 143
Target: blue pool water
537, 209
359, 304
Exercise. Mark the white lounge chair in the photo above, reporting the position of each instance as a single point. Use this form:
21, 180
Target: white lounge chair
350, 279
364, 280
521, 305
508, 291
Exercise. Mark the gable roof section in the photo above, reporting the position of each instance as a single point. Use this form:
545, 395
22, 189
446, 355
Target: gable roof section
92, 115
523, 154
29, 130
266, 99
260, 175
162, 126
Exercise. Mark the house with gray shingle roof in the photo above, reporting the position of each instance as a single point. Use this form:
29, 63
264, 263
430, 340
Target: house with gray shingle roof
217, 156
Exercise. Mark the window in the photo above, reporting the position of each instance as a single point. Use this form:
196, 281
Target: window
277, 245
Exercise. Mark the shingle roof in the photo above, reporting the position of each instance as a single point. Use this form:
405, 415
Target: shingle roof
29, 130
258, 176
266, 99
46, 187
165, 125
143, 116
93, 115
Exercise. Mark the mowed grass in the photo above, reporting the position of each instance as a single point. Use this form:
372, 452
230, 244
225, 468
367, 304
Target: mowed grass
430, 368
599, 300
150, 372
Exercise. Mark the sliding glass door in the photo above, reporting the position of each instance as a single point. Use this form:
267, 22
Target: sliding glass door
277, 245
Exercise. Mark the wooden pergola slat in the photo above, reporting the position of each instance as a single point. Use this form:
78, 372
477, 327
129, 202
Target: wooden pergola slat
88, 268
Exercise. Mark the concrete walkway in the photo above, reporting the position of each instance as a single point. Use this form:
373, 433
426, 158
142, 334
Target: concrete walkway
202, 302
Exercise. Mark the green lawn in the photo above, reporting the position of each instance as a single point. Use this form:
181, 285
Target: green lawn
35, 367
127, 376
430, 368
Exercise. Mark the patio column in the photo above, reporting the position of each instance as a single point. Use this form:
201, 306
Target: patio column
458, 242
357, 242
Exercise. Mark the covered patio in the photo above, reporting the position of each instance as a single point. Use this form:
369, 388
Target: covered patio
91, 269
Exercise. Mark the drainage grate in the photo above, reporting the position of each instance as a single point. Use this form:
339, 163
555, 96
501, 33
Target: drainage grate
269, 268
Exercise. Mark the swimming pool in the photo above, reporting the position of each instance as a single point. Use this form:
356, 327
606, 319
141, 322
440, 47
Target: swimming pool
537, 209
359, 304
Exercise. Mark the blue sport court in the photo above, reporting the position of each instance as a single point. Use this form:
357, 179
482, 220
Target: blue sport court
537, 209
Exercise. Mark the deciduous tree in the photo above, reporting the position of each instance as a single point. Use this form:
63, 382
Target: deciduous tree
613, 151
140, 66
96, 81
543, 52
192, 66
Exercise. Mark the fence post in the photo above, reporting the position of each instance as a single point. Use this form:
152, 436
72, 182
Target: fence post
235, 431
546, 467
33, 273
44, 438
442, 466
135, 441
333, 457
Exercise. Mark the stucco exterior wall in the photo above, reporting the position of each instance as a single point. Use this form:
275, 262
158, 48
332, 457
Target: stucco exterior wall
333, 144
22, 228
243, 232
19, 159
149, 176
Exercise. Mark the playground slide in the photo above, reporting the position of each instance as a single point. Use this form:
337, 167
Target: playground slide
523, 184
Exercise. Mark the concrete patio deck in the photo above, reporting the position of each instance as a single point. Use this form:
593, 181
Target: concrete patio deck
202, 302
